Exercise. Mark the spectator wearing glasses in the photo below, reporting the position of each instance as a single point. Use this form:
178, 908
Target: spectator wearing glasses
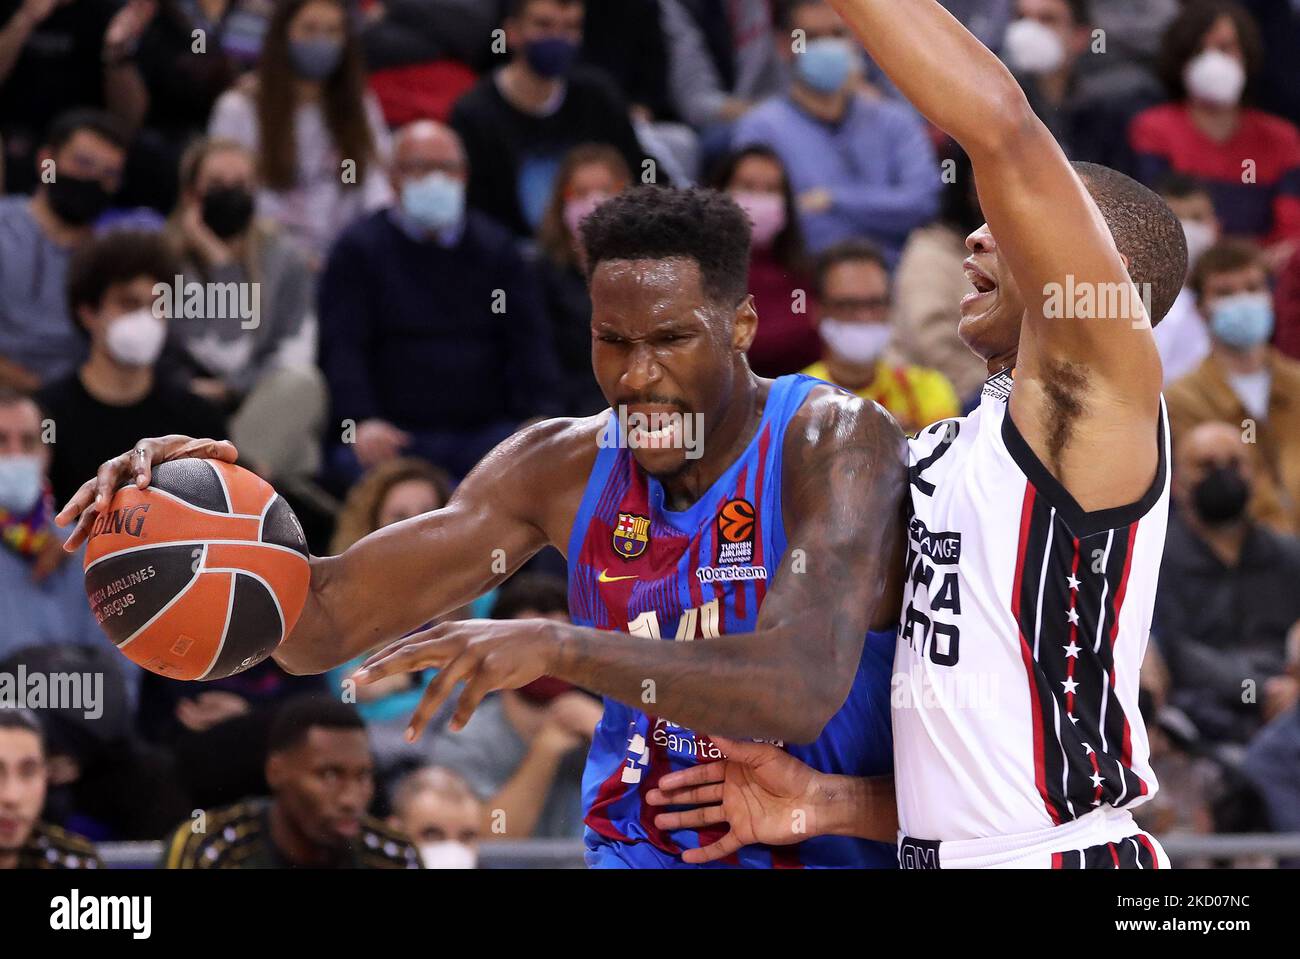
853, 289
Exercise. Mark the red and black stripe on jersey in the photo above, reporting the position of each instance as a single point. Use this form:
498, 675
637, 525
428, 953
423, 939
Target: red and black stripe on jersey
1131, 852
1072, 575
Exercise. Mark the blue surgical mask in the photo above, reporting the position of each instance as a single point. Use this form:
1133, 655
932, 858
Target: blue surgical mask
1243, 321
436, 201
551, 57
22, 478
315, 59
827, 64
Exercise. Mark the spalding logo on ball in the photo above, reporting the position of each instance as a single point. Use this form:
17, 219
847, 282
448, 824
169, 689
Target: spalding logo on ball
201, 575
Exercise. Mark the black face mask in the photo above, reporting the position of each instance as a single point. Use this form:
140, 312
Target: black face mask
1221, 497
227, 210
75, 201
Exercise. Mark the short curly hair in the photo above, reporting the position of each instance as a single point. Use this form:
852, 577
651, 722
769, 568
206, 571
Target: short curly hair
661, 223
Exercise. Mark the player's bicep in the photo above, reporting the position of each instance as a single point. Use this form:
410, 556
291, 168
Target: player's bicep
1079, 300
845, 483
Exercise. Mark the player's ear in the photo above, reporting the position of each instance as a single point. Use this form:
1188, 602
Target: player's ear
746, 326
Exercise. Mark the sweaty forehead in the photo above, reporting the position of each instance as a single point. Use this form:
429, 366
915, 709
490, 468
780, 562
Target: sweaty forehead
647, 292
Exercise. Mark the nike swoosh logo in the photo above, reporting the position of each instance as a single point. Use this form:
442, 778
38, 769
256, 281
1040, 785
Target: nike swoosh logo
605, 578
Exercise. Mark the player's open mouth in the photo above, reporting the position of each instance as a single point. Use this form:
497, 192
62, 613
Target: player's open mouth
665, 437
984, 284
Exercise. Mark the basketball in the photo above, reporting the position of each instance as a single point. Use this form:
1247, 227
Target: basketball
736, 521
199, 576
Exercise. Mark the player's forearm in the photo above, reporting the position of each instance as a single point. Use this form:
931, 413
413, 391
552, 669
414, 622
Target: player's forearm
767, 685
943, 70
864, 807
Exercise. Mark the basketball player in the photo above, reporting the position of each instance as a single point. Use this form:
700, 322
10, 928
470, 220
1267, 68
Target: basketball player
1037, 523
759, 517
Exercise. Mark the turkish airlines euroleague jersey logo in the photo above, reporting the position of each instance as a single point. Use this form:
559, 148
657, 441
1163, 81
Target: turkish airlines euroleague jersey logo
736, 533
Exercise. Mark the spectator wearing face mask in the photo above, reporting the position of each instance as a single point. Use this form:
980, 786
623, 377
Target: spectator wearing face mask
1182, 336
434, 342
1250, 160
1227, 596
779, 272
253, 355
860, 167
39, 343
1244, 380
306, 113
853, 288
436, 809
590, 175
518, 123
42, 589
57, 56
115, 396
1047, 47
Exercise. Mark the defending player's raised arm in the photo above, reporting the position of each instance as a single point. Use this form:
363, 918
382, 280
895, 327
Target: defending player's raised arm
1046, 224
846, 472
518, 499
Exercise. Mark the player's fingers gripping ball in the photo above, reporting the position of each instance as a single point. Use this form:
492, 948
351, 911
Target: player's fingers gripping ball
199, 576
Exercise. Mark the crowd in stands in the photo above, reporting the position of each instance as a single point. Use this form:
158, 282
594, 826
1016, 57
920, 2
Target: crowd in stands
361, 220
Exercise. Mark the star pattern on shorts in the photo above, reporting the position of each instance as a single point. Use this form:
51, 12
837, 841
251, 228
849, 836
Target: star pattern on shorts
1074, 583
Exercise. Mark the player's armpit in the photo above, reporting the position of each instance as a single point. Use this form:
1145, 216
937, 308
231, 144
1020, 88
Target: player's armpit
522, 496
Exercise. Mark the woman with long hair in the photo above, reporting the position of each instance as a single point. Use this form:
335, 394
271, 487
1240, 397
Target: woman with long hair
318, 133
779, 273
589, 175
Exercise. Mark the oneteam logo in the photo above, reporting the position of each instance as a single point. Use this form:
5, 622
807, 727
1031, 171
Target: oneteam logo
75, 913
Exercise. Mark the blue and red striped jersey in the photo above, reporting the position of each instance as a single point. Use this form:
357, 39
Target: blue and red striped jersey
638, 567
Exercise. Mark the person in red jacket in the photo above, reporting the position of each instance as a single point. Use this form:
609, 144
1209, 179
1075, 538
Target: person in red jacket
1249, 159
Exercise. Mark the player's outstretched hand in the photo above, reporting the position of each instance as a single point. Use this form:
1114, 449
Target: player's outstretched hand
484, 654
762, 792
135, 464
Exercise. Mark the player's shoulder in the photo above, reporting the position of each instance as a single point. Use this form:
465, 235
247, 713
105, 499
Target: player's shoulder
563, 443
831, 421
208, 839
383, 847
52, 847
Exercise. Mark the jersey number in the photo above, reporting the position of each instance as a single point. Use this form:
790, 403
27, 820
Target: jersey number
704, 617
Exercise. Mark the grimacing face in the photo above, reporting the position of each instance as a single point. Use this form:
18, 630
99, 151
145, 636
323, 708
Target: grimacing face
661, 346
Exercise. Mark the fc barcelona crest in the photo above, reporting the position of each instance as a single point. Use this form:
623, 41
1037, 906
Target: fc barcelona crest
631, 535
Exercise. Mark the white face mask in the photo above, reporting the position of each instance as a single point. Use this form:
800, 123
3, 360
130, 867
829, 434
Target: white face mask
1215, 78
22, 478
1200, 237
857, 343
448, 854
136, 338
1032, 47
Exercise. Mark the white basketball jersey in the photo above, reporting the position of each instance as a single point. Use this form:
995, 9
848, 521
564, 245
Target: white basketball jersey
1024, 624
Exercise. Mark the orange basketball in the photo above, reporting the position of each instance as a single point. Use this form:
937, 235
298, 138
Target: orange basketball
736, 521
201, 575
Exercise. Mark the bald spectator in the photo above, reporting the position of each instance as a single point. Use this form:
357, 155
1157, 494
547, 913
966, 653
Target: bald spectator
1244, 380
433, 338
1227, 595
439, 813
